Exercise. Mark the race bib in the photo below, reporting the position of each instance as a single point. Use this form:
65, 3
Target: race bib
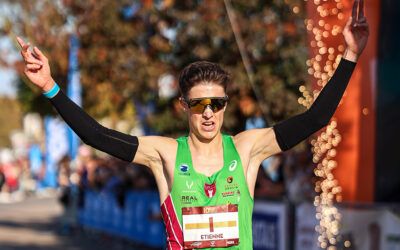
209, 227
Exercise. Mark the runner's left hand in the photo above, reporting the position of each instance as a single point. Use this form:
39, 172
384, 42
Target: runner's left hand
356, 32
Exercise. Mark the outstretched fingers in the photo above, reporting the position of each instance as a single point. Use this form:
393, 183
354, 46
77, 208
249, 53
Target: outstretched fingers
25, 51
357, 14
25, 48
20, 42
39, 54
354, 12
361, 20
29, 57
361, 10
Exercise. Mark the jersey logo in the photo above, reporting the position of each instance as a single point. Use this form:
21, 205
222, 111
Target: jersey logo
232, 166
210, 189
189, 186
184, 167
188, 199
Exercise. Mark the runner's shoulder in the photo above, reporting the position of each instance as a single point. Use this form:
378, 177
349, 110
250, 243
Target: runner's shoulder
159, 143
251, 136
155, 151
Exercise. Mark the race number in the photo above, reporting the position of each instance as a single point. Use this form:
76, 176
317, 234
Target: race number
209, 227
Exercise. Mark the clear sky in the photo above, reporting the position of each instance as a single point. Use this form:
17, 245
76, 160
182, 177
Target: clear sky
7, 83
7, 76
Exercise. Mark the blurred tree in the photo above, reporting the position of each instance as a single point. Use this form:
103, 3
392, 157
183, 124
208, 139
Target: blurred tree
10, 119
42, 23
128, 47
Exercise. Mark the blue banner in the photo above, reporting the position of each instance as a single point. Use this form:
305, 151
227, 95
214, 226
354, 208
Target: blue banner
57, 146
269, 226
139, 220
74, 90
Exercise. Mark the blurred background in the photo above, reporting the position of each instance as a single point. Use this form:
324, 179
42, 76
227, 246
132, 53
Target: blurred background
120, 61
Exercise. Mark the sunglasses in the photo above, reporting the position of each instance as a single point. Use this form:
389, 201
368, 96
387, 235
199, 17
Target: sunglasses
200, 104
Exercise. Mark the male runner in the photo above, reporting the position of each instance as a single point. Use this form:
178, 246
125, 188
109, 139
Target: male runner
206, 180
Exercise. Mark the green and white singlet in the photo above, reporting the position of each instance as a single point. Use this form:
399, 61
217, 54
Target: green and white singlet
209, 212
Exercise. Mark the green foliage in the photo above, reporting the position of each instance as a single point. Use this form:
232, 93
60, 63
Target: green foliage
122, 58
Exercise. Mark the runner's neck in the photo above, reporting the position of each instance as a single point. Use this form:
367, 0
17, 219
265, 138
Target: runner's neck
205, 149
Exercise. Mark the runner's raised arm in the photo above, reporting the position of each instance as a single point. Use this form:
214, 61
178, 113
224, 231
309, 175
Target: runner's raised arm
120, 145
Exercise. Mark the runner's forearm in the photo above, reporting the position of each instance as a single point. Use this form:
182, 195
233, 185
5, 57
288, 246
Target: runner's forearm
115, 143
294, 130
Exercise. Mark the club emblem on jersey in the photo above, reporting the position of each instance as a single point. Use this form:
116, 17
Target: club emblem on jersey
232, 166
210, 189
229, 179
184, 167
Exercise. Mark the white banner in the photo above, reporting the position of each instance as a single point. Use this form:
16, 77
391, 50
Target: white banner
306, 237
360, 228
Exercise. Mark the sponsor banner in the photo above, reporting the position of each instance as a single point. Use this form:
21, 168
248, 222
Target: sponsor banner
211, 226
306, 237
269, 226
372, 228
390, 226
360, 228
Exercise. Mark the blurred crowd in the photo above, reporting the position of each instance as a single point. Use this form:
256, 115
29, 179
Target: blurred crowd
285, 176
101, 174
24, 171
16, 179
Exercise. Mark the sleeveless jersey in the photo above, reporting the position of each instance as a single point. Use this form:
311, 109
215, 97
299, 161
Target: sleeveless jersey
192, 190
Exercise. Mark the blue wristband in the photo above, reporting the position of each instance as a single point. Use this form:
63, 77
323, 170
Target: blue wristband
52, 91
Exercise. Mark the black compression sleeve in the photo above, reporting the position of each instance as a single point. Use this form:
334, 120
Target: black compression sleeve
292, 131
115, 143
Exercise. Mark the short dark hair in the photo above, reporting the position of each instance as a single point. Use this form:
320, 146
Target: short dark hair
202, 71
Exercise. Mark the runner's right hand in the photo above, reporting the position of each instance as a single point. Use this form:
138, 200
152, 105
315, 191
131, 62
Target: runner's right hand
37, 68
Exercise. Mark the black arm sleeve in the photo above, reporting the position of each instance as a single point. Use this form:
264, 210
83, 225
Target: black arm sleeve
120, 145
292, 131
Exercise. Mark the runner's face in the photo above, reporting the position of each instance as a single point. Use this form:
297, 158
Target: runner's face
206, 124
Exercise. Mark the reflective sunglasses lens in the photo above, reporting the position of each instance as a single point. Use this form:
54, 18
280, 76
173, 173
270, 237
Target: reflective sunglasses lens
197, 108
218, 104
199, 105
